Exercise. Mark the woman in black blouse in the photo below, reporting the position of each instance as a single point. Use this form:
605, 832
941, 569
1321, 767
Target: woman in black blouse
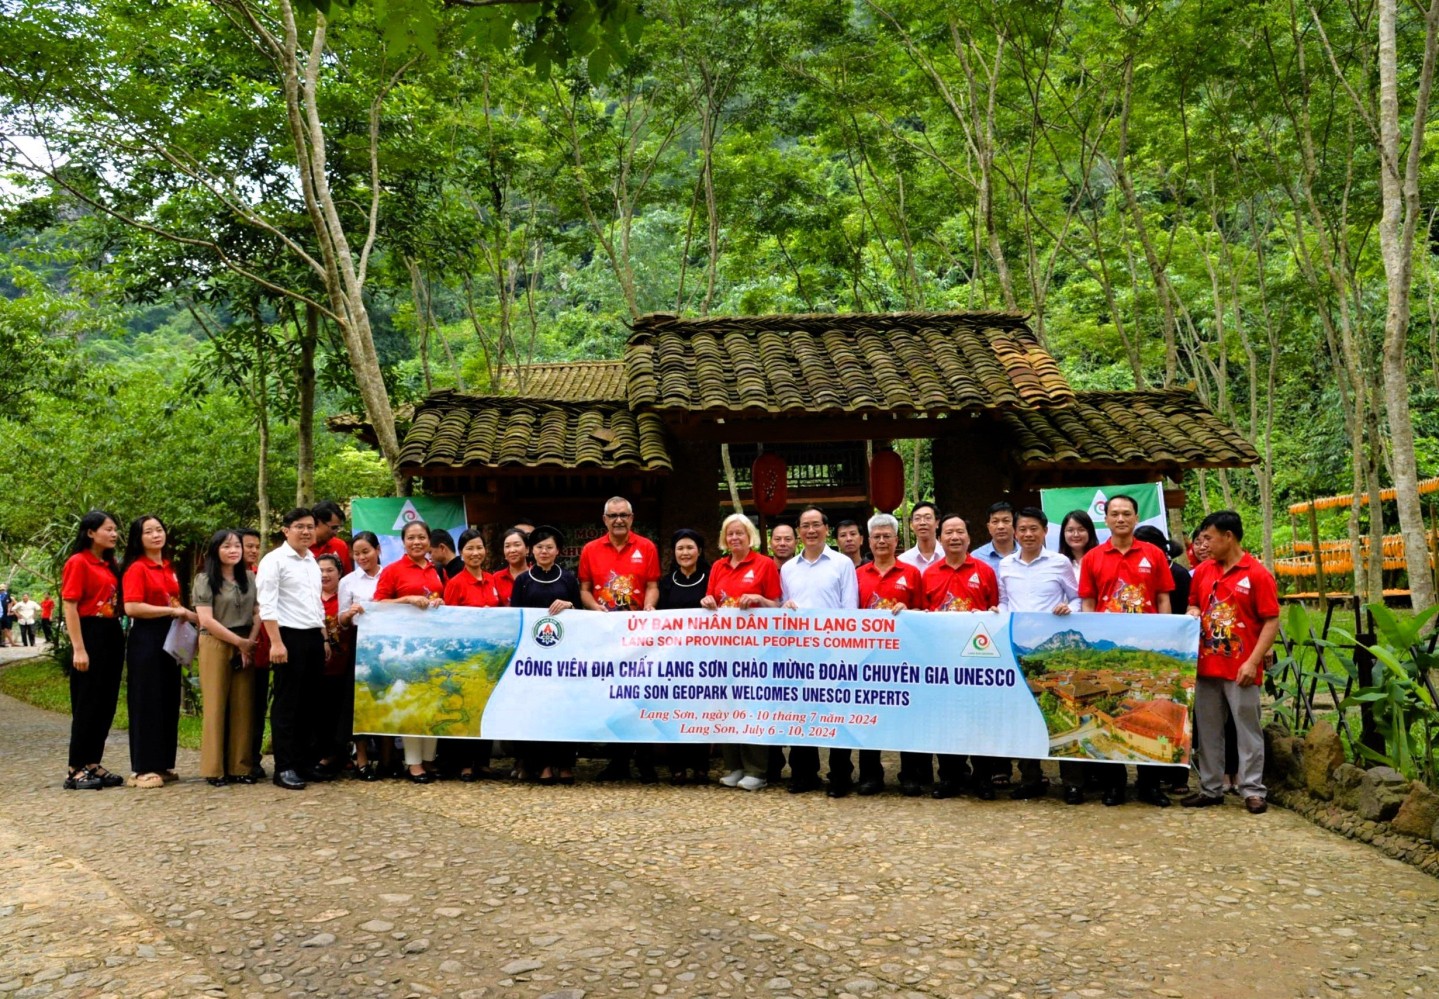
682, 588
550, 587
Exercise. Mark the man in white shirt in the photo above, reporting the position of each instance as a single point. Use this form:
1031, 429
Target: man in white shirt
292, 612
817, 577
1036, 580
924, 522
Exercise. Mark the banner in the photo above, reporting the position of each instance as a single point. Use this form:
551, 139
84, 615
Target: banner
1056, 503
388, 516
1087, 686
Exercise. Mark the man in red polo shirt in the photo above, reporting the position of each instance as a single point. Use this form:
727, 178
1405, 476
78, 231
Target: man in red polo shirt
621, 572
1122, 576
960, 582
1237, 604
329, 518
884, 584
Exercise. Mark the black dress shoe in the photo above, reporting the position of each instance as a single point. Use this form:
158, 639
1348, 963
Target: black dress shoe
984, 790
317, 776
869, 787
1153, 796
423, 777
216, 781
944, 789
1114, 796
910, 789
1201, 800
369, 772
1256, 805
648, 775
468, 777
258, 772
1029, 789
240, 779
289, 780
803, 786
1073, 794
837, 790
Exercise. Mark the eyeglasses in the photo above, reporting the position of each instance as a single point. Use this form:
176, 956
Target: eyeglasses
619, 516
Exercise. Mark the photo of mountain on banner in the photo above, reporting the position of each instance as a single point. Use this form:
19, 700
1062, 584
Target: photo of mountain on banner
1111, 686
429, 672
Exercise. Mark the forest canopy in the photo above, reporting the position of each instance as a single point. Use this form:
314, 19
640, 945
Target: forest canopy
224, 220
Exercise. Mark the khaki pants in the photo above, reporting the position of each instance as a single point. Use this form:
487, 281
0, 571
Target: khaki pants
227, 696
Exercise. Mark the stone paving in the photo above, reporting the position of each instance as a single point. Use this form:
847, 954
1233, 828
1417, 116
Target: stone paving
500, 890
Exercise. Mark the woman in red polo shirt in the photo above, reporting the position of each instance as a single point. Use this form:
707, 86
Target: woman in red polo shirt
152, 603
746, 579
90, 591
472, 587
413, 580
515, 548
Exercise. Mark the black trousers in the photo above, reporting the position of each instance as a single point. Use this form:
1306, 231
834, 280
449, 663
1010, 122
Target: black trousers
841, 769
917, 768
455, 755
337, 699
1110, 775
48, 627
152, 697
259, 711
27, 633
294, 711
95, 692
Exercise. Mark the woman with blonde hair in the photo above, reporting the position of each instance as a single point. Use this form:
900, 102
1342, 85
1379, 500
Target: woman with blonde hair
746, 579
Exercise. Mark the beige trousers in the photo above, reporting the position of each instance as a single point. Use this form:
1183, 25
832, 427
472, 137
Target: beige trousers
227, 696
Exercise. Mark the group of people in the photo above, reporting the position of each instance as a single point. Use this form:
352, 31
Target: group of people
291, 615
25, 614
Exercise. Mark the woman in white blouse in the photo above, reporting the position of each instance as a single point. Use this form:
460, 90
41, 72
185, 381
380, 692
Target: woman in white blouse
357, 589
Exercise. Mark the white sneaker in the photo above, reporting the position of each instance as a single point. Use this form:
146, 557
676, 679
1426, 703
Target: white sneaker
732, 779
753, 783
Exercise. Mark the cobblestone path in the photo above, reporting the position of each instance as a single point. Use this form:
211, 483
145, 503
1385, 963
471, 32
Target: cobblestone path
501, 890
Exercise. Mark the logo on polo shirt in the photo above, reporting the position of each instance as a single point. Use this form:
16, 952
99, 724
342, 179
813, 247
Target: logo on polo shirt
548, 632
1243, 584
637, 556
1144, 565
749, 575
900, 584
974, 582
981, 645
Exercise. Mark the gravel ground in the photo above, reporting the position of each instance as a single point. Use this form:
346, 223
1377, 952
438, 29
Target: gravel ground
503, 890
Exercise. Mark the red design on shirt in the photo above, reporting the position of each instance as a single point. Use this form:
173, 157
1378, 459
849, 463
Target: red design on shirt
619, 577
1125, 582
901, 586
756, 573
1233, 605
90, 583
466, 590
972, 586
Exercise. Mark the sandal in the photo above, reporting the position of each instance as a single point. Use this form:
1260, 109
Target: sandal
106, 778
217, 781
146, 781
83, 780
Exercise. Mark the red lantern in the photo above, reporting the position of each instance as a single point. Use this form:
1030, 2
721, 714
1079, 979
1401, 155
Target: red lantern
771, 492
886, 480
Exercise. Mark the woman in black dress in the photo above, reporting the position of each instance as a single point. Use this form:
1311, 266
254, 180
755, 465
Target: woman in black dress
682, 588
548, 586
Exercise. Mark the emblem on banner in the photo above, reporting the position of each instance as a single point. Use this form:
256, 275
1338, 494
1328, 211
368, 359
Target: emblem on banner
408, 515
548, 632
981, 645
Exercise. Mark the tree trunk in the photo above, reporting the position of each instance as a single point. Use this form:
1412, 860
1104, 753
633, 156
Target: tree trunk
262, 419
305, 422
1396, 238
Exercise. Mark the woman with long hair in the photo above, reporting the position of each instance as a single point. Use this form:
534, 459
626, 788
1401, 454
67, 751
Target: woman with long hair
1077, 536
683, 587
152, 603
90, 594
515, 550
414, 580
357, 589
550, 587
224, 595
